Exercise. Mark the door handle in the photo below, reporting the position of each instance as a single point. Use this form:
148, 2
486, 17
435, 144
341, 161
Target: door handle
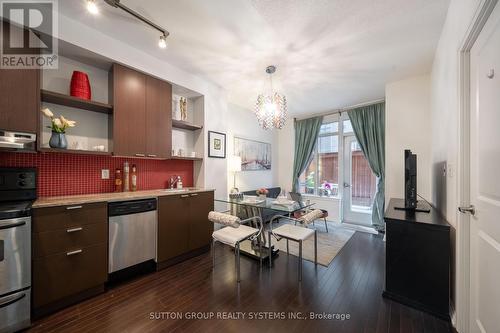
74, 229
71, 253
73, 207
152, 155
11, 300
7, 225
347, 185
467, 209
184, 195
140, 155
194, 194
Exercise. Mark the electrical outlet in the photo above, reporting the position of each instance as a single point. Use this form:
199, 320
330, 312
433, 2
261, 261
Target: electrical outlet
105, 174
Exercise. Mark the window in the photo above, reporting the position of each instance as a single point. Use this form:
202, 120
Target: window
324, 172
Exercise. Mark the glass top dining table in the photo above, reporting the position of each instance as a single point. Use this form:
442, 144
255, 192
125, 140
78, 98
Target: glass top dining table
250, 206
280, 206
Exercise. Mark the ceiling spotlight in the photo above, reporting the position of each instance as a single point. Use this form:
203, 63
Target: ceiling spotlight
92, 7
162, 43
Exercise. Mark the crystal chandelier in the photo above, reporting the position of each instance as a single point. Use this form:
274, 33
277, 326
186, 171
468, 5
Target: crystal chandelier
271, 109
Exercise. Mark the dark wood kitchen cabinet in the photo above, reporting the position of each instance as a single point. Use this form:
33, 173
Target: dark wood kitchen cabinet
129, 117
142, 119
19, 99
158, 118
200, 230
183, 226
70, 251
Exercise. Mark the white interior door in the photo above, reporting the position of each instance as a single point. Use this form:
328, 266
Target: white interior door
359, 185
485, 179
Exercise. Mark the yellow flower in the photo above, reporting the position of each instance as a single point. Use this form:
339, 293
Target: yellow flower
47, 113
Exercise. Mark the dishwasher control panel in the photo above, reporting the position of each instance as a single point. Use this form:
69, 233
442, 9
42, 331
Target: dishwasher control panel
131, 207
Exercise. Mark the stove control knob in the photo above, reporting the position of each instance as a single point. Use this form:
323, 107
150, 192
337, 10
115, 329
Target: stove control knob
22, 176
22, 183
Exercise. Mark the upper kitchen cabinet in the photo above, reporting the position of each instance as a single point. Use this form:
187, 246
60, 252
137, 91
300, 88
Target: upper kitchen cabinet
129, 119
158, 118
142, 114
19, 99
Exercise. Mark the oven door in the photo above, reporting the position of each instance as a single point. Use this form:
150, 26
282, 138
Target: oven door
15, 254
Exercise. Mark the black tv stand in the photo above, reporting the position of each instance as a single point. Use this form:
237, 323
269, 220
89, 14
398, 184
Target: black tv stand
418, 259
422, 207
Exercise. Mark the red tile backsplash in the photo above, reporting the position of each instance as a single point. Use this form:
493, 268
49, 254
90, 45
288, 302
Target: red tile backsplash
73, 174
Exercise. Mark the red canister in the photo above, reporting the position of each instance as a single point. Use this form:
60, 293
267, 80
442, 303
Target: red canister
80, 85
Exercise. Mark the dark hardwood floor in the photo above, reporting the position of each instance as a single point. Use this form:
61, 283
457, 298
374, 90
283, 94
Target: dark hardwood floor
352, 285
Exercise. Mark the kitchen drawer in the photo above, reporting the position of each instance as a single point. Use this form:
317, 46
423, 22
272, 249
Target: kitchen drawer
64, 217
65, 240
61, 275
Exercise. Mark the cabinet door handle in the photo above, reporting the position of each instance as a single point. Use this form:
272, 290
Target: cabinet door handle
194, 194
73, 207
152, 155
140, 155
74, 229
71, 253
184, 195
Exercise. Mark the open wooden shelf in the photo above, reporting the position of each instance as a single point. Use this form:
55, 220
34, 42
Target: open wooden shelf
186, 158
185, 125
73, 151
75, 102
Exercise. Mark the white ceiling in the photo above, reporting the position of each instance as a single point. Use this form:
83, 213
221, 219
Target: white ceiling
329, 53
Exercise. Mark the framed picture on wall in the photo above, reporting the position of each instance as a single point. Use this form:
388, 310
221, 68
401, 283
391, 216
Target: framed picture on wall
255, 155
216, 144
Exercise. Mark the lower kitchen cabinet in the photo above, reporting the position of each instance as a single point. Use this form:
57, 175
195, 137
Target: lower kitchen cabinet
70, 254
183, 225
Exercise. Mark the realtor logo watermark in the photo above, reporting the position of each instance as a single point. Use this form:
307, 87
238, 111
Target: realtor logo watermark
27, 37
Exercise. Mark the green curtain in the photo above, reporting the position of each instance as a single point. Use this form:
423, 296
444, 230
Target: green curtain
306, 136
368, 123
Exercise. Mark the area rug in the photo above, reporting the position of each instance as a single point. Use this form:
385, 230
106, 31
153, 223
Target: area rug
329, 244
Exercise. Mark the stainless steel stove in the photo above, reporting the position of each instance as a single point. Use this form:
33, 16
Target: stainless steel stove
17, 193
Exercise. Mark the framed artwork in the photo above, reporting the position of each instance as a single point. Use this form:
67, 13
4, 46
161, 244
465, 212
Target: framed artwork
216, 144
255, 155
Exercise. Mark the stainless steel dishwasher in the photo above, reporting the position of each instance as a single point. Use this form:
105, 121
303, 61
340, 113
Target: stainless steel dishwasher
132, 233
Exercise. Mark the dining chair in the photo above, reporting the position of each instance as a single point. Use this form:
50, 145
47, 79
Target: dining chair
298, 198
298, 234
235, 232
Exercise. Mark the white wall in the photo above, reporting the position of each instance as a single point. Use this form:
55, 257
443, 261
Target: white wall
215, 98
444, 105
243, 123
445, 88
407, 126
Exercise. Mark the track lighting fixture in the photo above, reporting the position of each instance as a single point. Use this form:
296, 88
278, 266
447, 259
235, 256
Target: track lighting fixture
92, 7
162, 43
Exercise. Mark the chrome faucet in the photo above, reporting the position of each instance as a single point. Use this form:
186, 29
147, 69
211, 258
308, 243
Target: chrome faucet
174, 180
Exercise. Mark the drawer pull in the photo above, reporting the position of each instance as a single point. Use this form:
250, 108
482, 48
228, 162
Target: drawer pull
140, 155
194, 194
73, 207
71, 253
184, 195
74, 230
152, 155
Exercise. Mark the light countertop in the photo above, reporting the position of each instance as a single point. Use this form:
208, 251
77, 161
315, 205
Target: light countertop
108, 197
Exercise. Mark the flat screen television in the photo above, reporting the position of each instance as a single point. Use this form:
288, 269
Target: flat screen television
410, 180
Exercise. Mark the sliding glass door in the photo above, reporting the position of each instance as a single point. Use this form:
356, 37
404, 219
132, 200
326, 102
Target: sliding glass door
359, 184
